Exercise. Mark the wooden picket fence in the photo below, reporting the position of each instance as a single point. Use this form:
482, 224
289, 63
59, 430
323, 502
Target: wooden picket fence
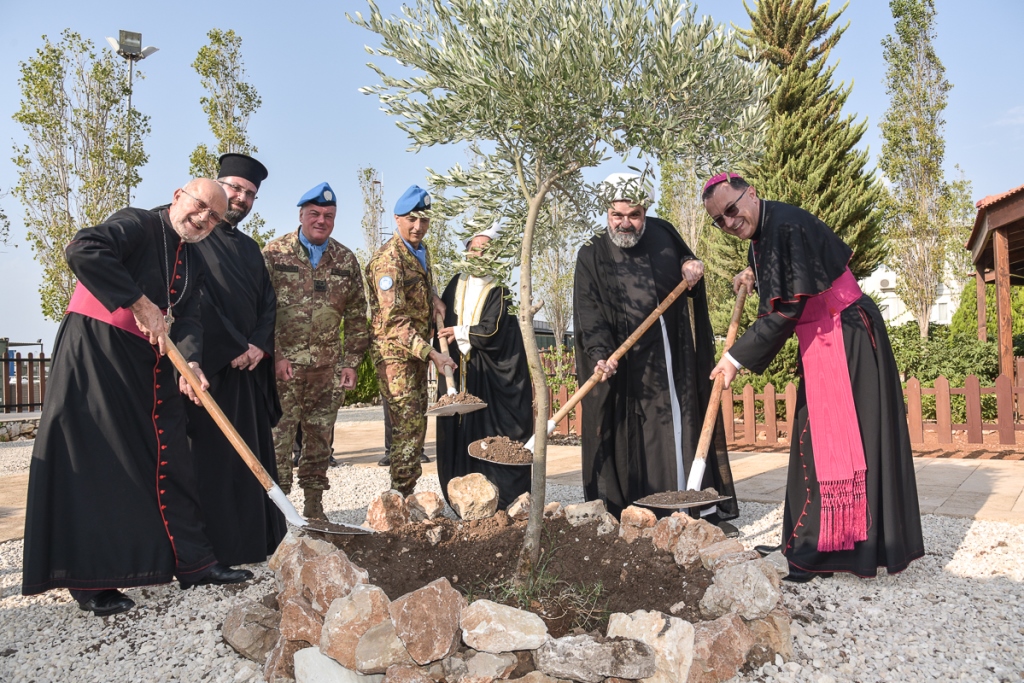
753, 418
24, 383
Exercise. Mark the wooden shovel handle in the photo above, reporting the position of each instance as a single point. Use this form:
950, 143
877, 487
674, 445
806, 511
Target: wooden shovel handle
621, 351
716, 390
218, 415
448, 374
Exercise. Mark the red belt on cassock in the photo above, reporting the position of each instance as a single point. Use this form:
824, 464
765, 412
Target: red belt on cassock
85, 303
835, 431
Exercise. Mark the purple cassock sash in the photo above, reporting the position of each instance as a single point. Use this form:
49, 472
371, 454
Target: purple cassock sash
835, 430
85, 303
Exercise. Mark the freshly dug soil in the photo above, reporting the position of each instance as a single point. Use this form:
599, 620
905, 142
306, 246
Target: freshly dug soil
462, 398
679, 497
502, 450
479, 558
564, 439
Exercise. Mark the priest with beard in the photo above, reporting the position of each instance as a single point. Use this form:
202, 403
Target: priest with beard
642, 422
112, 499
487, 345
239, 309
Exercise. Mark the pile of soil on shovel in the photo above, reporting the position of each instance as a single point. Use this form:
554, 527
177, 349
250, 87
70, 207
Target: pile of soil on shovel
502, 450
584, 577
679, 497
461, 398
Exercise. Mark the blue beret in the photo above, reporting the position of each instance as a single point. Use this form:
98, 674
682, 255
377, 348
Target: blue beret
414, 199
322, 195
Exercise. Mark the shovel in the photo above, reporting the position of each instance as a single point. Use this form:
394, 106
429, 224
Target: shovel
596, 377
700, 458
273, 490
451, 408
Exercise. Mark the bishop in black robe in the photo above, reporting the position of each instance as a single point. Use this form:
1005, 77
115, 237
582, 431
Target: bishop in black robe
494, 369
793, 257
112, 499
641, 426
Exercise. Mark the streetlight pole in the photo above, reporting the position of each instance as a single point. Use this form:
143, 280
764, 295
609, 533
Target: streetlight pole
129, 46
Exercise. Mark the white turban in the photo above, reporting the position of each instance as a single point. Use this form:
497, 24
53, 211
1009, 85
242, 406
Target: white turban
627, 187
491, 232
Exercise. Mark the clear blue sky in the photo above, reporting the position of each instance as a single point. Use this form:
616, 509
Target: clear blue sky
307, 61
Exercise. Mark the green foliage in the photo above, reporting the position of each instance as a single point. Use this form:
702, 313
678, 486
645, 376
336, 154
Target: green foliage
445, 249
810, 155
549, 88
229, 103
75, 168
367, 389
928, 218
254, 228
5, 223
965, 319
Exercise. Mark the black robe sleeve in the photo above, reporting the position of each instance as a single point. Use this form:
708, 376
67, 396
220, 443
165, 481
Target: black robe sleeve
794, 256
97, 257
594, 331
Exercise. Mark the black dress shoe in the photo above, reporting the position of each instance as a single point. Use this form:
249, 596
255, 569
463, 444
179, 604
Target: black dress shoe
765, 550
384, 462
797, 575
424, 457
107, 602
730, 530
219, 574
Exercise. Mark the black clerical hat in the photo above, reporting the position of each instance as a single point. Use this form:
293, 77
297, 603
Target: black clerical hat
243, 166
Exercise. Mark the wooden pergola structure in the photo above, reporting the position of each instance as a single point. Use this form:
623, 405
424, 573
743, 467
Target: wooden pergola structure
997, 251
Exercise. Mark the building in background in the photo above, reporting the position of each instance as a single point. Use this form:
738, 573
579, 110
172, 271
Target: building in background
881, 284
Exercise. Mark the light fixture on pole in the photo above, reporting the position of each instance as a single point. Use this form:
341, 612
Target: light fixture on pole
129, 46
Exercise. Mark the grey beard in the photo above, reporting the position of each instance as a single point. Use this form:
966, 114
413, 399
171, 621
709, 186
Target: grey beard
626, 240
235, 217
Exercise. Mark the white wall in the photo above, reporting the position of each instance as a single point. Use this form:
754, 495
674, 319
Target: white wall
882, 284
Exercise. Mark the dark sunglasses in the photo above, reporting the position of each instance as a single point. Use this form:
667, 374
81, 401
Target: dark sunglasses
730, 211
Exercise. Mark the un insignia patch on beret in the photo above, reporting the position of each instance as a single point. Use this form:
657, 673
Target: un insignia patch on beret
386, 283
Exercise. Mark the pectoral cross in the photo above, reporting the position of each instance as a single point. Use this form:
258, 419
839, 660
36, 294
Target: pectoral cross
169, 319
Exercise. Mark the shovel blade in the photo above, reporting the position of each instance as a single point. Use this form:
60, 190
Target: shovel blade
455, 409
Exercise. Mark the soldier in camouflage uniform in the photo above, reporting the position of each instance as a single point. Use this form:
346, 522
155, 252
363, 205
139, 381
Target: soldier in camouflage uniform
320, 302
403, 305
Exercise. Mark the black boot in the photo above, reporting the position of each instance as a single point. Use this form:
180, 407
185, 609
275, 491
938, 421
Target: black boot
105, 603
219, 574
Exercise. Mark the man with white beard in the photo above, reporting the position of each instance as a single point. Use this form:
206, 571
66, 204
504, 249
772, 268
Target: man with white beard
641, 424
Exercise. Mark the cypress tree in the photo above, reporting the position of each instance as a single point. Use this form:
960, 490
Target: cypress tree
810, 158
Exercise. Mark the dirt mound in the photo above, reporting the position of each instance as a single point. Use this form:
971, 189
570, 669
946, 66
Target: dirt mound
583, 577
669, 498
502, 450
461, 398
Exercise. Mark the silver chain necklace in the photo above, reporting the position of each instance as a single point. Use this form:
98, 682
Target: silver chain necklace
169, 318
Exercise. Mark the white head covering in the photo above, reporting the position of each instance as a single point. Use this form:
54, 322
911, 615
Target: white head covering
627, 187
491, 232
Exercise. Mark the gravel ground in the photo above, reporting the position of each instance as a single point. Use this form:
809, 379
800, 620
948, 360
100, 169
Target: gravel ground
955, 615
15, 457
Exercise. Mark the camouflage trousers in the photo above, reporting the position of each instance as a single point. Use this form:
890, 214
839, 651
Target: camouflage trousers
311, 399
403, 384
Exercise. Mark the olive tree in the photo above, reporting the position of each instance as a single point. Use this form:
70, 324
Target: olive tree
546, 89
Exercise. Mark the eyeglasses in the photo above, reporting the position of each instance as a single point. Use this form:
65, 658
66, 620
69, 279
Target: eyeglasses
730, 212
211, 215
248, 194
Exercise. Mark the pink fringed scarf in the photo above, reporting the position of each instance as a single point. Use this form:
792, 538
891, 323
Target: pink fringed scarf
835, 431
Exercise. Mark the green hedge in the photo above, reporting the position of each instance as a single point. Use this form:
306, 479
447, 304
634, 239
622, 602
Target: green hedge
367, 390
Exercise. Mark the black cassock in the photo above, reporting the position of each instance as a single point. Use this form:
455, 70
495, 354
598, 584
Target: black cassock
796, 256
629, 444
495, 370
112, 496
239, 308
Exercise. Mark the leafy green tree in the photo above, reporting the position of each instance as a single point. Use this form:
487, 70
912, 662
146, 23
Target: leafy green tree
926, 223
73, 170
228, 104
965, 318
5, 223
551, 87
810, 155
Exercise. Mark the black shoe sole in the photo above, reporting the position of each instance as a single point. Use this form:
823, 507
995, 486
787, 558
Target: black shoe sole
804, 577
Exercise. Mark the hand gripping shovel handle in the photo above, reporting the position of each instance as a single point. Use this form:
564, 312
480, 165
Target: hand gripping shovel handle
448, 374
707, 431
616, 355
273, 490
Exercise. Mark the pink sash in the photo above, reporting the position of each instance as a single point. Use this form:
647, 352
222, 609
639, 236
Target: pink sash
835, 431
85, 303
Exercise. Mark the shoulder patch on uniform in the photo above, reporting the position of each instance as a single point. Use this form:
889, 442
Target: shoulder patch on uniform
386, 283
286, 268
